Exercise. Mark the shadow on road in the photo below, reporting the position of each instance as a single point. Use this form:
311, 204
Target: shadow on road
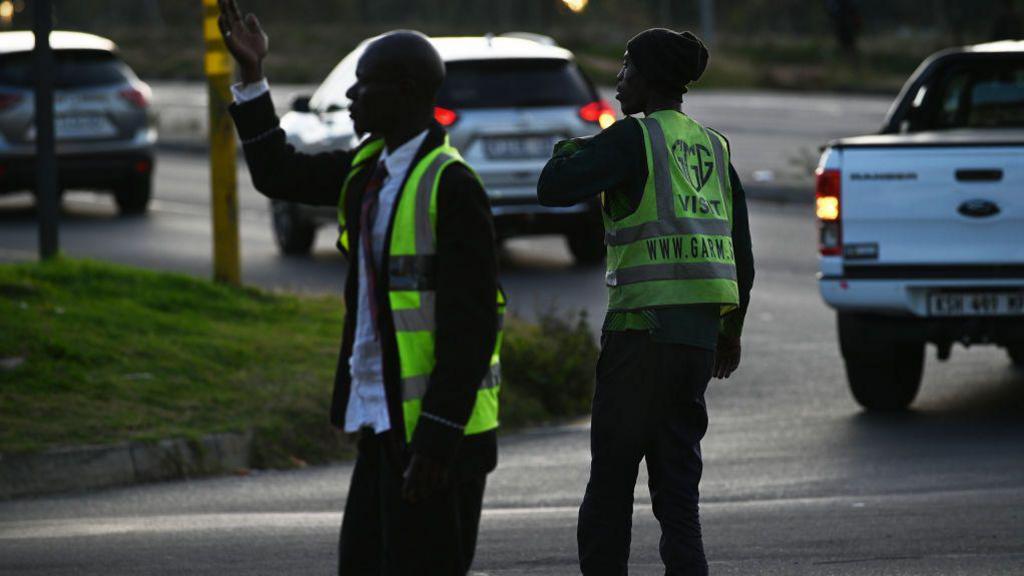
983, 418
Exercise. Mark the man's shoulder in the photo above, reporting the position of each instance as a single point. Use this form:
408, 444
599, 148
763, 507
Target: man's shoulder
625, 131
720, 135
459, 176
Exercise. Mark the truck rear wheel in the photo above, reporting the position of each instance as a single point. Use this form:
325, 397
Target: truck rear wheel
883, 370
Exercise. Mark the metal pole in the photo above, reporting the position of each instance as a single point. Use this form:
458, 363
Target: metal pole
223, 185
707, 21
47, 204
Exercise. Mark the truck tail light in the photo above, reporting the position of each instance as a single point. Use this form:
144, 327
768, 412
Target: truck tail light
444, 116
599, 112
828, 209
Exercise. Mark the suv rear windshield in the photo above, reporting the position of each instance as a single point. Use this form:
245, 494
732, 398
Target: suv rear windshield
74, 69
514, 84
976, 95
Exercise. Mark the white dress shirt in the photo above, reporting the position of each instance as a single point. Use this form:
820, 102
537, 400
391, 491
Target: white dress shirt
245, 92
367, 403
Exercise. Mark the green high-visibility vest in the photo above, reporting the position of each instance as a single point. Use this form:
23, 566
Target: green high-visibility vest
411, 269
676, 247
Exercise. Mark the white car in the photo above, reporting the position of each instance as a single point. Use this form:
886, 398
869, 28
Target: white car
505, 102
922, 226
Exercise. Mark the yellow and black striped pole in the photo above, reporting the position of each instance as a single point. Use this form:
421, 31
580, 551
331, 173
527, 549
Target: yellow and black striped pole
223, 181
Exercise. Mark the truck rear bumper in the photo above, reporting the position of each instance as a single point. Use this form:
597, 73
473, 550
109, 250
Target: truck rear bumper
900, 297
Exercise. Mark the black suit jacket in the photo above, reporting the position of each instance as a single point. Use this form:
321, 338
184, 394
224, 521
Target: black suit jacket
466, 282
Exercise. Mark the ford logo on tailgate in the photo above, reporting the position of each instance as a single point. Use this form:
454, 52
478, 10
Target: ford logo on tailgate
978, 208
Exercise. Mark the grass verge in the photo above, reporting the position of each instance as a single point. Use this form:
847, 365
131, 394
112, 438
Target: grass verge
94, 353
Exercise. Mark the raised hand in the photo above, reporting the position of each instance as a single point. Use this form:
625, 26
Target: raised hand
244, 38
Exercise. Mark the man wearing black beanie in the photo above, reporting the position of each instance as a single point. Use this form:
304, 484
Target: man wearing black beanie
680, 270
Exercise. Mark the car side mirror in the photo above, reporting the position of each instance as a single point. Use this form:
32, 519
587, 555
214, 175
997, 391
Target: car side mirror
300, 104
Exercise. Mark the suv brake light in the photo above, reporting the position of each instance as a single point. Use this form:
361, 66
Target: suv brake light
600, 112
8, 100
444, 116
135, 97
827, 207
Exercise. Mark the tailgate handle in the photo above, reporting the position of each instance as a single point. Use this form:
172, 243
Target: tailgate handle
979, 175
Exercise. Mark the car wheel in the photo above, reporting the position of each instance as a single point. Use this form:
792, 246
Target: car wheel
586, 241
294, 234
133, 197
884, 371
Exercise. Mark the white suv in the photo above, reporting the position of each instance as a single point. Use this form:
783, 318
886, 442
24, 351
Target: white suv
103, 123
505, 101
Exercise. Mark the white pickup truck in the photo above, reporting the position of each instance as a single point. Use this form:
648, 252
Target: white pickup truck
922, 226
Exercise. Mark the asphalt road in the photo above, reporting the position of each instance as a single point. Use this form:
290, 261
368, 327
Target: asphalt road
798, 481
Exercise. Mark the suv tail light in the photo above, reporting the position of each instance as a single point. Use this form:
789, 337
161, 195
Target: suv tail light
135, 97
444, 116
599, 112
827, 207
8, 100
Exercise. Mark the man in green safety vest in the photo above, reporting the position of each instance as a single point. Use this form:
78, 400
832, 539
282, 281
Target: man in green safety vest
418, 375
679, 274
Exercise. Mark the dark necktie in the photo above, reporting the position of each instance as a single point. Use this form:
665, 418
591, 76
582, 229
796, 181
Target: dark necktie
371, 200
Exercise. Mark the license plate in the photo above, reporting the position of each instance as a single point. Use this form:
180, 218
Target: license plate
78, 127
976, 303
520, 147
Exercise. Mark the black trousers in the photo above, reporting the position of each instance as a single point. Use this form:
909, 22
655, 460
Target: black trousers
649, 403
383, 535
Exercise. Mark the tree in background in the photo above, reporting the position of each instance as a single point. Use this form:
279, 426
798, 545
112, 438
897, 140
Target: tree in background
846, 22
1007, 24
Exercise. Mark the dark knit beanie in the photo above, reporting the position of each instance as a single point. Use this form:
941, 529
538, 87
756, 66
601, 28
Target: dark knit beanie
668, 60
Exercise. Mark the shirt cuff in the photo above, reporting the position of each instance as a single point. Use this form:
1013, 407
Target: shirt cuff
246, 92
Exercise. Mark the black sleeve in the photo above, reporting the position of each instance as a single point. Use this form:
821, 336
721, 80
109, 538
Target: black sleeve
732, 323
610, 161
277, 169
466, 313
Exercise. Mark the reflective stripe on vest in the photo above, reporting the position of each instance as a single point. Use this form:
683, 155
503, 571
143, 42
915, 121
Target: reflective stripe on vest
412, 283
366, 152
676, 247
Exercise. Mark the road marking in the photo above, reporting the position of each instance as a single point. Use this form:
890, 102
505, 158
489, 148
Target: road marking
316, 521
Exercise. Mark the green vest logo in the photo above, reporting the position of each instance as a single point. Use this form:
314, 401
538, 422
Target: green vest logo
696, 162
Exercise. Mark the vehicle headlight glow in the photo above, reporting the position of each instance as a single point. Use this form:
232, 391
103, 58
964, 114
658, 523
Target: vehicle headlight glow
576, 6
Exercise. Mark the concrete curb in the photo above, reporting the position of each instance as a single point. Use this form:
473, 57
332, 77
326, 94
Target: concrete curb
90, 467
